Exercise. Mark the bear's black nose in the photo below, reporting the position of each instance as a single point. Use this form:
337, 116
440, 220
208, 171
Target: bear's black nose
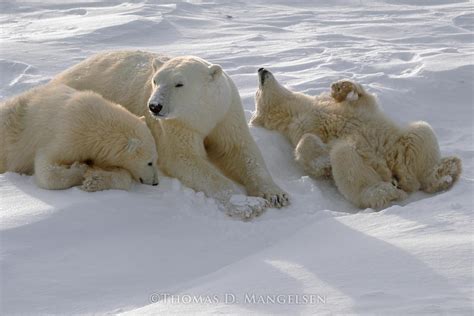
155, 108
155, 184
261, 74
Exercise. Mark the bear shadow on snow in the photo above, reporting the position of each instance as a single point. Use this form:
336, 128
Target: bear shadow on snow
394, 276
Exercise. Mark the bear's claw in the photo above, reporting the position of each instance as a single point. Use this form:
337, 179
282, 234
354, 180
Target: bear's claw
277, 200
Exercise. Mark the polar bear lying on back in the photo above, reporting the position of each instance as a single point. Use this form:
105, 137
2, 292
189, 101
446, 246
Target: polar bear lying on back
68, 138
373, 161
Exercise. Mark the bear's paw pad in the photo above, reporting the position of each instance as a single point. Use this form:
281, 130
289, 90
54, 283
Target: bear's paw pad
352, 96
344, 90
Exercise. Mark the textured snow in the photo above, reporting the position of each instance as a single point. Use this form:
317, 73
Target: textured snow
69, 252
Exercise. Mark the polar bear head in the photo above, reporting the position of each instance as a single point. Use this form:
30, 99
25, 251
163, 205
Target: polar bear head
273, 102
124, 141
138, 154
191, 90
106, 134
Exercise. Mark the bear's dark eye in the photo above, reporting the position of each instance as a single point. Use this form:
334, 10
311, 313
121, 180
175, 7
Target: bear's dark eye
178, 85
150, 163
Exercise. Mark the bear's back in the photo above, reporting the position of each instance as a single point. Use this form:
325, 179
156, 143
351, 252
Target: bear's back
28, 123
123, 77
87, 114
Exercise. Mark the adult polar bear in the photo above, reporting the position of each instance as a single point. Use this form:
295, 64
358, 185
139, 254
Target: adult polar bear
195, 114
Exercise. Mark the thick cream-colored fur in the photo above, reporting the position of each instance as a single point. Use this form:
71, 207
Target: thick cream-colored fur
372, 160
68, 138
202, 136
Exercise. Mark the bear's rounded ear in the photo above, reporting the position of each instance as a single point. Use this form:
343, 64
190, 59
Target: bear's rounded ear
215, 71
156, 64
133, 144
143, 118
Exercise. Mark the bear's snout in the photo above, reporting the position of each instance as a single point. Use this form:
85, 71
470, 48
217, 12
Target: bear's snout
155, 108
262, 75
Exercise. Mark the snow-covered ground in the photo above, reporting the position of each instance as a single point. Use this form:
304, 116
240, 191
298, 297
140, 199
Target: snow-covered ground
65, 252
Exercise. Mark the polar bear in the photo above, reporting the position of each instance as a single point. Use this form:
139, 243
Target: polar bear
194, 111
345, 135
68, 138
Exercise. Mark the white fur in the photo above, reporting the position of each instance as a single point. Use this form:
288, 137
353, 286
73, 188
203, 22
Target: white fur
203, 138
69, 138
366, 151
352, 96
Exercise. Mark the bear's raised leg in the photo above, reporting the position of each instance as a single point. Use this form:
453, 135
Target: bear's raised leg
231, 147
353, 94
346, 90
422, 167
313, 155
357, 181
53, 176
443, 176
98, 179
182, 155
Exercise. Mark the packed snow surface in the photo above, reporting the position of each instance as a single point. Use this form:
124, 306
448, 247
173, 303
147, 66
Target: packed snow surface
168, 249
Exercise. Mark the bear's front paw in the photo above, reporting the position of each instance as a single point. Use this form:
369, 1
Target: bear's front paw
344, 90
276, 197
93, 183
245, 207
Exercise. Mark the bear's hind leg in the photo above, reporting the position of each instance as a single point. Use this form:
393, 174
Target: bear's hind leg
423, 159
98, 179
443, 176
53, 176
359, 182
313, 155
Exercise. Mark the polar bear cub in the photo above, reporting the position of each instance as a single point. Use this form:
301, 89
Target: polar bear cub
345, 135
69, 138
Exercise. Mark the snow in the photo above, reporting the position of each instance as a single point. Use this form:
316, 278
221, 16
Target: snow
158, 250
